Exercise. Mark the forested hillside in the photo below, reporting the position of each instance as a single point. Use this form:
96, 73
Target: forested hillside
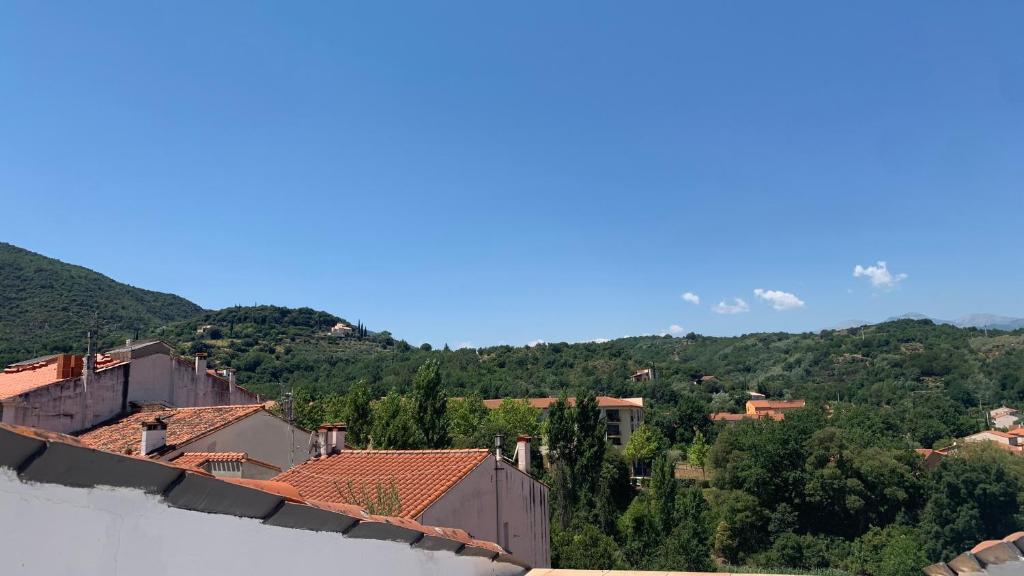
47, 306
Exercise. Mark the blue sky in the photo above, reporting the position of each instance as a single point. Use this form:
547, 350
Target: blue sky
485, 173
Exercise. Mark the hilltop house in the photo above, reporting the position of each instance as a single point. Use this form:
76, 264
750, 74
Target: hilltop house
644, 375
244, 441
1004, 417
622, 415
473, 490
1009, 441
68, 393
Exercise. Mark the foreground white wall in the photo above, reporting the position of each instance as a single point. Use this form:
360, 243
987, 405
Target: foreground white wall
56, 530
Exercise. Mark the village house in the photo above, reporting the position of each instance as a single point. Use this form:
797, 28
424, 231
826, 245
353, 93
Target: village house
168, 519
1009, 441
644, 375
621, 415
246, 441
473, 490
759, 409
1004, 417
69, 393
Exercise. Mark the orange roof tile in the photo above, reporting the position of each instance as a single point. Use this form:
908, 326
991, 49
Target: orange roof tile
761, 405
545, 403
18, 379
731, 417
419, 476
183, 425
288, 491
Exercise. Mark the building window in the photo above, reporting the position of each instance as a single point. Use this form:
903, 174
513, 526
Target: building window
613, 430
612, 416
616, 441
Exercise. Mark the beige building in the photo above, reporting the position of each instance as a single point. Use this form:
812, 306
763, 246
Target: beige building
622, 415
473, 490
232, 441
69, 393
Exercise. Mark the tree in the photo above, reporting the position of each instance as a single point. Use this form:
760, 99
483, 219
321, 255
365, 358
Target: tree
561, 442
642, 446
465, 419
430, 405
688, 546
358, 414
664, 488
590, 445
896, 550
640, 534
512, 418
974, 497
697, 454
585, 548
393, 425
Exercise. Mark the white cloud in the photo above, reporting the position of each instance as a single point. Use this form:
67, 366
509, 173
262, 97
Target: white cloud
738, 306
690, 297
879, 275
599, 340
462, 345
533, 343
675, 329
779, 300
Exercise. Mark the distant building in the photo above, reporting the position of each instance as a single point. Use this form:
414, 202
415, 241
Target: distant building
341, 329
773, 406
472, 490
932, 458
1004, 417
644, 375
755, 395
69, 393
257, 443
759, 409
1005, 440
622, 415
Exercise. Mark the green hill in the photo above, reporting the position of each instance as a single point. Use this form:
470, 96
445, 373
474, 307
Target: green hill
47, 306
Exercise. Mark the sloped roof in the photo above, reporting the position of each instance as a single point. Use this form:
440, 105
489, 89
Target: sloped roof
776, 404
183, 426
25, 377
42, 456
419, 476
545, 403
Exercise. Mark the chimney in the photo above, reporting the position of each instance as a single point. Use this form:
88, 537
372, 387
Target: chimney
497, 447
231, 380
128, 342
154, 436
331, 438
200, 363
523, 453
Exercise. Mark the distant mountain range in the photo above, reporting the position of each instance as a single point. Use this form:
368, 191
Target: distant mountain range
981, 321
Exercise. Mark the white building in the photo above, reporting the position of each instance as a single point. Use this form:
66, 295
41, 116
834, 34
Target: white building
1004, 417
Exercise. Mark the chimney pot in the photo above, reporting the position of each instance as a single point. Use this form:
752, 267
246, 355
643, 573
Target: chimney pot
200, 363
523, 453
154, 436
332, 438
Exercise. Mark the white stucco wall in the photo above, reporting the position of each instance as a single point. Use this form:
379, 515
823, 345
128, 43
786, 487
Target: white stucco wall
161, 378
262, 436
121, 532
523, 504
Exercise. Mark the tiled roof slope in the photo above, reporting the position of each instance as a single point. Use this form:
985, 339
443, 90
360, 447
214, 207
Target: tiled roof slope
183, 425
18, 379
197, 459
996, 557
776, 404
42, 456
545, 403
419, 476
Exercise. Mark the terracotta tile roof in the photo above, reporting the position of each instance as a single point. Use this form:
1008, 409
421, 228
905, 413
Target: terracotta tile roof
18, 379
731, 417
419, 476
280, 489
183, 425
761, 405
197, 459
545, 403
